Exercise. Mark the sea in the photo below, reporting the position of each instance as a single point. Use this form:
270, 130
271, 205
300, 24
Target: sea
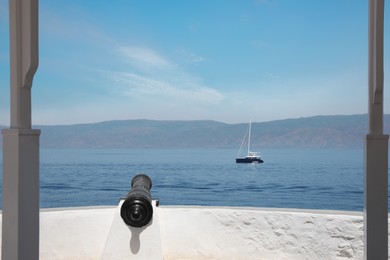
329, 179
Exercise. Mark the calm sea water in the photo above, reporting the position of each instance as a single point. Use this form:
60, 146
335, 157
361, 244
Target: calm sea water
289, 178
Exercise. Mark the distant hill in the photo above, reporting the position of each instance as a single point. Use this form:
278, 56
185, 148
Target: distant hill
310, 132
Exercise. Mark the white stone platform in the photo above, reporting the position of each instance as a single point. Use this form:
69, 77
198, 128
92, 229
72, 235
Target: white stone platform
212, 233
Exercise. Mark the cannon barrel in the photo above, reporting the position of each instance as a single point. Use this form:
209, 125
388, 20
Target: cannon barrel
137, 209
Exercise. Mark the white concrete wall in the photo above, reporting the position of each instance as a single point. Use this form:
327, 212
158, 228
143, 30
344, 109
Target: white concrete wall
212, 233
237, 233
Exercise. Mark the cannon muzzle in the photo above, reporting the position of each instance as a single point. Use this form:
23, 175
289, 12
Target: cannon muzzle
137, 209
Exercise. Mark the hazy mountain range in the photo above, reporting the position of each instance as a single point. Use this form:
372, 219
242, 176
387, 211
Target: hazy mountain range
311, 132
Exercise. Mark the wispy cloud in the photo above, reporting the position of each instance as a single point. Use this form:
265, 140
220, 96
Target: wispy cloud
75, 28
133, 84
191, 57
142, 57
133, 71
148, 72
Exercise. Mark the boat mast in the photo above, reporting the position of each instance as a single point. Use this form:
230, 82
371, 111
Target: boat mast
249, 136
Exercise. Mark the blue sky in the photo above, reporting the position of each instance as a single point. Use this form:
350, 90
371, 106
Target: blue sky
223, 60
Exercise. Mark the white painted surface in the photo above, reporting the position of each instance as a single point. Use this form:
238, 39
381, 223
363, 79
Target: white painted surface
212, 233
74, 233
125, 242
237, 233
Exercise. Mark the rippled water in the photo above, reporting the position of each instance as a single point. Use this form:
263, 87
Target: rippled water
289, 178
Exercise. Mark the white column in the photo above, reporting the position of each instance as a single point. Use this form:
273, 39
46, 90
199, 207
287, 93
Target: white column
20, 226
376, 145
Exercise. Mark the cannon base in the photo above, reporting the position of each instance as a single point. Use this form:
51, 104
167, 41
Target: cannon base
125, 242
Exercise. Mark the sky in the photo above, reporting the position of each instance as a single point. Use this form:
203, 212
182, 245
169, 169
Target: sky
226, 60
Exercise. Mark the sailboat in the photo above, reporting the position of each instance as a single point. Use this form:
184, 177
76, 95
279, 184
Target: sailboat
251, 157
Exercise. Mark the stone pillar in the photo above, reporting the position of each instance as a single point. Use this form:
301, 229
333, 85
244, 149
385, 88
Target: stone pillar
376, 145
20, 226
375, 204
20, 230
